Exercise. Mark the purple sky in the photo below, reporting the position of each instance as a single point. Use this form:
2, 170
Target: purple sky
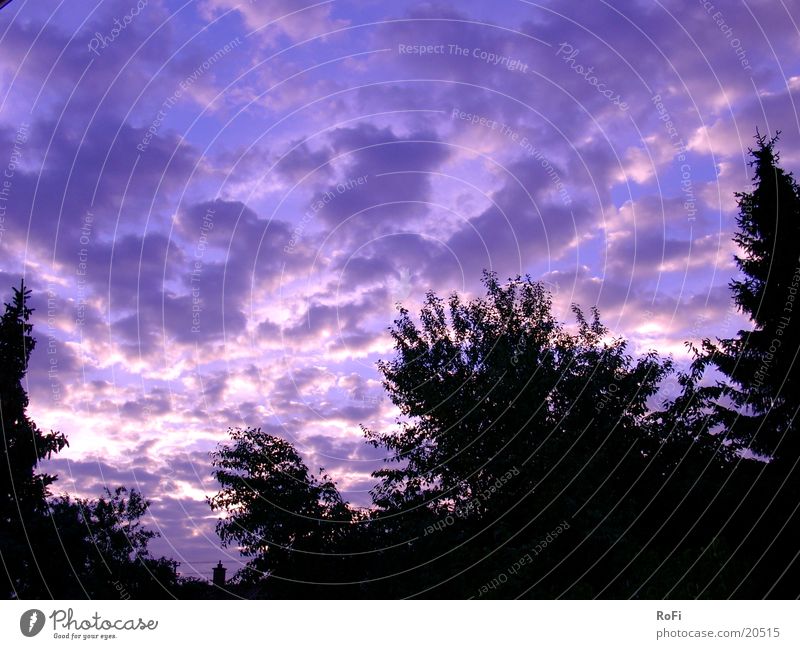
218, 203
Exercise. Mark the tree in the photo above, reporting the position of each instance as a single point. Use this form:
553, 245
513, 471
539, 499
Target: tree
513, 425
282, 517
98, 548
499, 385
759, 394
23, 491
754, 399
24, 445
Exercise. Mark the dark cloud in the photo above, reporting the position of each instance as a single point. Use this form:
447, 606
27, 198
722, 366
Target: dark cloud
383, 176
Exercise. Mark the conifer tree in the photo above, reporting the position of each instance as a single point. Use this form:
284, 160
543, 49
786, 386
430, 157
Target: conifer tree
22, 490
760, 392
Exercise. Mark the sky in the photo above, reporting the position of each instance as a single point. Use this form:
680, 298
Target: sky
218, 204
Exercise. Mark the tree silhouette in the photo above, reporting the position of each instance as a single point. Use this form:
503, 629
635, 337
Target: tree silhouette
758, 398
105, 551
282, 517
755, 402
23, 491
513, 426
24, 445
499, 385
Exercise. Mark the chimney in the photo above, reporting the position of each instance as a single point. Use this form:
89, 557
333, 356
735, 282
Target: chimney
219, 575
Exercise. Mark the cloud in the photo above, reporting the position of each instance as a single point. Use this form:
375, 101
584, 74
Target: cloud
296, 19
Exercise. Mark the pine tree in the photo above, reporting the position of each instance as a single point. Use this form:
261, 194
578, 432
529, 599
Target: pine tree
23, 491
758, 398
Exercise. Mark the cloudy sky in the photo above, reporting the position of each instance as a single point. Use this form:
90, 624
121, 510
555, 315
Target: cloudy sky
218, 203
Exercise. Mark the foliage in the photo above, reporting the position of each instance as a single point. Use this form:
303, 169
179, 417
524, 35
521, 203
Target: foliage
277, 512
757, 398
497, 385
22, 490
511, 425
